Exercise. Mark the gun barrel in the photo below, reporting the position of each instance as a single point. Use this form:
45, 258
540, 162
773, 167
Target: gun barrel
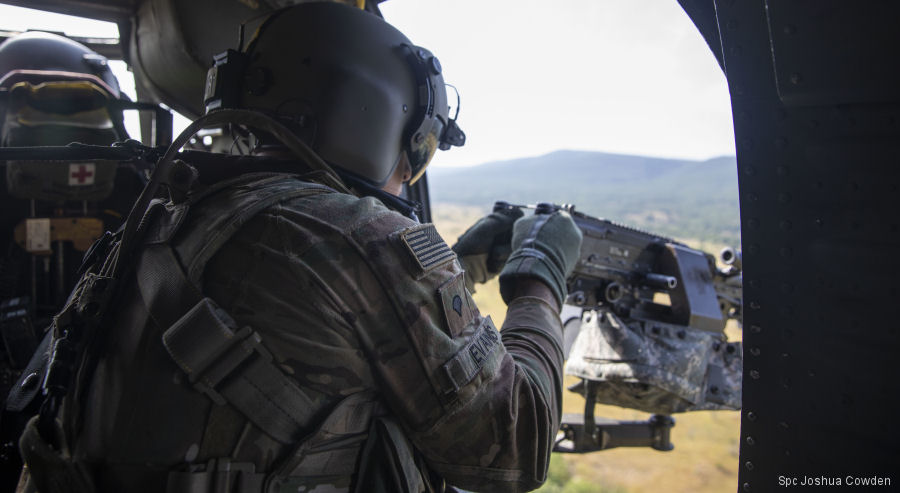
613, 292
660, 281
731, 256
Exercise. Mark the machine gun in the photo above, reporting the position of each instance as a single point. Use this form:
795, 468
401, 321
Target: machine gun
656, 287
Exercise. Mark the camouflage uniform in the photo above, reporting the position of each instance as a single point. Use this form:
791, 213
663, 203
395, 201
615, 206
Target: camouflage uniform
361, 308
655, 367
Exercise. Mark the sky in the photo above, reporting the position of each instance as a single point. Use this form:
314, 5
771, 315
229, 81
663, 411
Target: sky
621, 76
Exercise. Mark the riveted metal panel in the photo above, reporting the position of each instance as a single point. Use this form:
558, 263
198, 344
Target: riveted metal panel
834, 52
818, 181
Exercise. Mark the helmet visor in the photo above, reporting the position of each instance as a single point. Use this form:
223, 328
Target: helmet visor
56, 113
61, 98
423, 148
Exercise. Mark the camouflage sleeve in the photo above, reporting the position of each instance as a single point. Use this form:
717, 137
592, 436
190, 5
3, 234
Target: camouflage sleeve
482, 407
531, 381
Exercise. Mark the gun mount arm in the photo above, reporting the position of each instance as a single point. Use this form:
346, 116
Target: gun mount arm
582, 433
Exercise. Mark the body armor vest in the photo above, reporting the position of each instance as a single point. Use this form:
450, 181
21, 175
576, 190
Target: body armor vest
166, 397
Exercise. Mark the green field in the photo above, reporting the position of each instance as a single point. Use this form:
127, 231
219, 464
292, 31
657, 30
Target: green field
705, 458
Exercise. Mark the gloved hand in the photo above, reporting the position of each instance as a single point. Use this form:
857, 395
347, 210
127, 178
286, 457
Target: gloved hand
545, 247
484, 247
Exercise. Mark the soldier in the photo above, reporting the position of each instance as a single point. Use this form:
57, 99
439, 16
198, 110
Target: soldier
288, 326
53, 91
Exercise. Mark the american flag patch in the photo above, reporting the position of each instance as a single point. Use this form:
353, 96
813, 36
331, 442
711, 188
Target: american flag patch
427, 246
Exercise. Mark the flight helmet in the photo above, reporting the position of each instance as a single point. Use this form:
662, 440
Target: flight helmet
54, 91
349, 84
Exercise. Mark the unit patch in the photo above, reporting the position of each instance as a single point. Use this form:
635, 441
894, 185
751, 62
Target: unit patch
427, 247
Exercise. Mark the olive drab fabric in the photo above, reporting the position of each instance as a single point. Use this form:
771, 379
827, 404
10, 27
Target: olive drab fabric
358, 314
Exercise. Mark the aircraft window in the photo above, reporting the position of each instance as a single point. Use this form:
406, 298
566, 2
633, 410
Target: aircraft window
592, 103
615, 76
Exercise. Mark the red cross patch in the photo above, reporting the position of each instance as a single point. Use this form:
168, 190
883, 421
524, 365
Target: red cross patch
82, 174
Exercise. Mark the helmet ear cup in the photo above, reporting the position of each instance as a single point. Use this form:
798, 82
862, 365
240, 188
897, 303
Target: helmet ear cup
432, 128
426, 126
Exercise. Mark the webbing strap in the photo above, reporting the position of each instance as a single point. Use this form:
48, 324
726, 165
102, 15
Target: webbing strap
163, 285
231, 365
388, 464
404, 455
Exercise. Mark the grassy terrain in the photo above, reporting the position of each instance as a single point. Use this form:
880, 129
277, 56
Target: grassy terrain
705, 458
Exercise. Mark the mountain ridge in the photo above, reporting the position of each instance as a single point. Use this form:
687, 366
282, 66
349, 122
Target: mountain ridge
696, 199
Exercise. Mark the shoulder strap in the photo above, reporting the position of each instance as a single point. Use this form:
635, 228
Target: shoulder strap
225, 362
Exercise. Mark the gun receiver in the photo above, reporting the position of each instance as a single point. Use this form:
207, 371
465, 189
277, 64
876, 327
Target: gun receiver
632, 272
639, 289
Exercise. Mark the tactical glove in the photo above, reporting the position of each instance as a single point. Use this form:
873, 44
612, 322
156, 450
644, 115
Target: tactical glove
545, 247
484, 247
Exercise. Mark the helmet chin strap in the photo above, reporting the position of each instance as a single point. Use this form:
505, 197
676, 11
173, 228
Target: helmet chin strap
250, 118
